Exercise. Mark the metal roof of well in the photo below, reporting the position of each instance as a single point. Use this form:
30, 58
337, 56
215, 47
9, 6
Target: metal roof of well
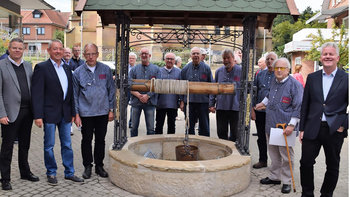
252, 6
204, 12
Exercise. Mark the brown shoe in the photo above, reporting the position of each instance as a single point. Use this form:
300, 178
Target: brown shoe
260, 165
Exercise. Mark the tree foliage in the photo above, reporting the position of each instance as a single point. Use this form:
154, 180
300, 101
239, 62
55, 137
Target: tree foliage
284, 27
5, 40
343, 43
59, 35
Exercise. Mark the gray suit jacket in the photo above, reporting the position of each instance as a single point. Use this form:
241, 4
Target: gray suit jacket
10, 95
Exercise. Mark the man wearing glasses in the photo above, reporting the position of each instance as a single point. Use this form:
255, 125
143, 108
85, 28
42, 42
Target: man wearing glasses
282, 104
145, 101
167, 103
262, 82
76, 61
94, 99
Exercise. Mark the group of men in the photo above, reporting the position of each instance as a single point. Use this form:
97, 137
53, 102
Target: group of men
319, 112
200, 105
62, 90
59, 91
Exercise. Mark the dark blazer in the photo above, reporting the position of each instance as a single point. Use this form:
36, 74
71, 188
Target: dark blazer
10, 92
334, 106
47, 94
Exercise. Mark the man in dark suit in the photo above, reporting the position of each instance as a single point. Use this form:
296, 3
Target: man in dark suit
52, 95
324, 120
15, 112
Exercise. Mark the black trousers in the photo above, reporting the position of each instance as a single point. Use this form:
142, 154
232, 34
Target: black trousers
310, 149
262, 143
160, 118
93, 125
224, 118
21, 128
199, 112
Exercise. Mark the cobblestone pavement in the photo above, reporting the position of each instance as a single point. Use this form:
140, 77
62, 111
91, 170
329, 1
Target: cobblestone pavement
97, 186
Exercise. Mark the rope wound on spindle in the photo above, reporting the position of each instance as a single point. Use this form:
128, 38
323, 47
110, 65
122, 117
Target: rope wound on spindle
166, 86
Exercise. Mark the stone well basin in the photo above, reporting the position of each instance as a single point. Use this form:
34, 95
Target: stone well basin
220, 170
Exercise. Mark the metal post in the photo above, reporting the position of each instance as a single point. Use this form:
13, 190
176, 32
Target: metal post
248, 59
121, 79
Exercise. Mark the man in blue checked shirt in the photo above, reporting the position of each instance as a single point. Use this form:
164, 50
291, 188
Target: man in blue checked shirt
145, 101
197, 70
94, 98
262, 82
282, 104
227, 106
167, 103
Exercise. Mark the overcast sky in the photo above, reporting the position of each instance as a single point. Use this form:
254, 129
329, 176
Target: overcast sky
65, 5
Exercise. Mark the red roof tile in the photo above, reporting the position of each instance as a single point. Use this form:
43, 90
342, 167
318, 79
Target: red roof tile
47, 17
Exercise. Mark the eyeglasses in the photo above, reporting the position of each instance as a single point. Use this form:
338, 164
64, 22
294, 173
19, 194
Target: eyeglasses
169, 59
90, 54
280, 68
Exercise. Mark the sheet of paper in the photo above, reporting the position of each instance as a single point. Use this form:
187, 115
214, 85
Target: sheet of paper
277, 138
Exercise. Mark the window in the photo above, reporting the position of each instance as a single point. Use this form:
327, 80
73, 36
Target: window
40, 30
26, 30
227, 30
298, 60
346, 22
37, 15
32, 48
217, 30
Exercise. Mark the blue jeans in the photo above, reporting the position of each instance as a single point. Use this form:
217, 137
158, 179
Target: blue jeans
148, 111
66, 148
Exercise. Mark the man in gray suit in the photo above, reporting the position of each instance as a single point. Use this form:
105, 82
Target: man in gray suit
15, 112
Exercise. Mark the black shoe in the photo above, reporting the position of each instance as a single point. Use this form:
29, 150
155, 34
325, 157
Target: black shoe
6, 185
260, 165
30, 177
101, 172
87, 172
52, 180
74, 179
267, 181
286, 189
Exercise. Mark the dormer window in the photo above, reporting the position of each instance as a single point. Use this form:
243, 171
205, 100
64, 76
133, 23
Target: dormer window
37, 13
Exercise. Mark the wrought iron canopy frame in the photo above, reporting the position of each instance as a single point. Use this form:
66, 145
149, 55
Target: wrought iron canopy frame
185, 36
123, 30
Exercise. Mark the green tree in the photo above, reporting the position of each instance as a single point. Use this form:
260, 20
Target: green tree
343, 43
59, 35
284, 27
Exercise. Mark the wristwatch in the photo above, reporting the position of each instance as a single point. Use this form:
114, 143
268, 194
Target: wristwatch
290, 124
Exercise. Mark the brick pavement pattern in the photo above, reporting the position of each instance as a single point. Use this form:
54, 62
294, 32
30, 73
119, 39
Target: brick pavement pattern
97, 186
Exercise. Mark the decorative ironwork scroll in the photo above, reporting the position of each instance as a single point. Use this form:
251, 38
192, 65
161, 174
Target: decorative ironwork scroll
184, 36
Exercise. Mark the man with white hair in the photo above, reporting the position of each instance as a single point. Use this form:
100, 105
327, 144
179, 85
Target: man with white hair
178, 61
262, 82
167, 103
132, 62
197, 70
262, 65
143, 101
324, 120
67, 55
282, 104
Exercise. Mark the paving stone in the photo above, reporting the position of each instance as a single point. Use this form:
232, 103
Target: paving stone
97, 186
